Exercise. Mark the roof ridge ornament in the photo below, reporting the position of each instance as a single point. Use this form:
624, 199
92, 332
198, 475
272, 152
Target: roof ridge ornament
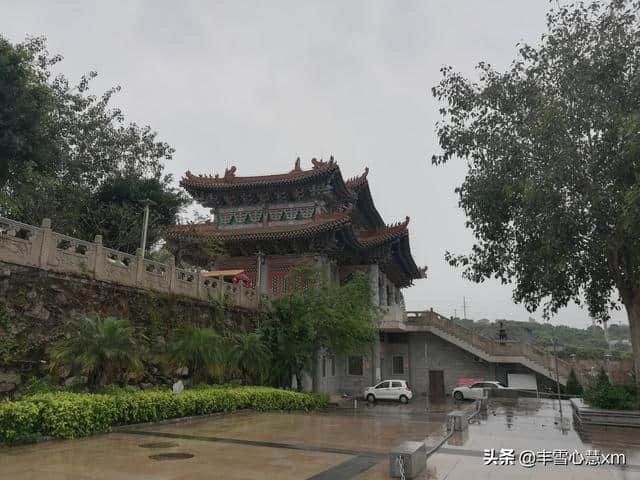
317, 164
296, 167
357, 180
230, 174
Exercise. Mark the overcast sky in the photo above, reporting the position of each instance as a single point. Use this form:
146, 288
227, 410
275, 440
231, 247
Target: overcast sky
245, 83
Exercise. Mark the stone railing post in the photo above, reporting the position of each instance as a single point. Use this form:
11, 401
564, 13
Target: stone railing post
139, 266
199, 286
171, 271
98, 263
47, 243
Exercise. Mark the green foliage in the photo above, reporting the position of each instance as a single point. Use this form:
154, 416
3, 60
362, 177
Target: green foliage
19, 422
34, 385
584, 343
74, 415
548, 200
67, 155
616, 397
318, 315
552, 191
573, 386
250, 354
201, 350
103, 348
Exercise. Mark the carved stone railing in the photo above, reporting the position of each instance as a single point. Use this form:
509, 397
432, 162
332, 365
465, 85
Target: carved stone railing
40, 247
494, 348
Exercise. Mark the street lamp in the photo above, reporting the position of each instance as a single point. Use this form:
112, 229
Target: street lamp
145, 224
555, 354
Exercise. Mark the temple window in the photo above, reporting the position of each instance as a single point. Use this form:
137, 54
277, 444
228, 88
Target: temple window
355, 365
274, 284
398, 365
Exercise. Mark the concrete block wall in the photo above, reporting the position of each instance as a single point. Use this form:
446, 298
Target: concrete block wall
455, 362
423, 352
390, 350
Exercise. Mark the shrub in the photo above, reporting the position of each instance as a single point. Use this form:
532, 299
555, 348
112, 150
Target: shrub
19, 422
73, 415
573, 386
199, 349
103, 348
615, 397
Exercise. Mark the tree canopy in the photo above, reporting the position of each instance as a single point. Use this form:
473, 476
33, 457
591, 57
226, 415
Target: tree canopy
67, 155
552, 144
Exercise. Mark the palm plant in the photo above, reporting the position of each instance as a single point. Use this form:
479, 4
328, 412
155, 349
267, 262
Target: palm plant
251, 356
103, 348
199, 349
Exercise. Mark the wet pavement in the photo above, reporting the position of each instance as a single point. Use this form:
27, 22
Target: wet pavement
335, 444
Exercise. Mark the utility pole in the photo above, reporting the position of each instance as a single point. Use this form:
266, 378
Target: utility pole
145, 224
464, 307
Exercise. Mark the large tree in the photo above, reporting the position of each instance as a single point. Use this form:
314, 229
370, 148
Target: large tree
66, 154
552, 144
317, 315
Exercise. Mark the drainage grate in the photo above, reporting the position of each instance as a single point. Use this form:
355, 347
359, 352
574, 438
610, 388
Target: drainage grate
171, 456
158, 445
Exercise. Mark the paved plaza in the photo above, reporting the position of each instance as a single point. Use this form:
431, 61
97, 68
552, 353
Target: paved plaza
334, 444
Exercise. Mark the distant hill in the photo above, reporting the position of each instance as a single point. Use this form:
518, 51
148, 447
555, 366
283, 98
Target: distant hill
584, 343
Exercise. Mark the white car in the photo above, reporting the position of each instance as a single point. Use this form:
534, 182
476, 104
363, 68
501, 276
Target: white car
474, 390
389, 390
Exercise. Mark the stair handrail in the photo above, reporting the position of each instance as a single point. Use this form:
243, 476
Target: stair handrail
490, 345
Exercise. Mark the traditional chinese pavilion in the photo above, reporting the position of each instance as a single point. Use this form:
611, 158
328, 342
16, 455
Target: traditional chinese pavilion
269, 223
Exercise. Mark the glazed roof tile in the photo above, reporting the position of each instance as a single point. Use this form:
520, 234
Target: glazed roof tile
230, 180
321, 223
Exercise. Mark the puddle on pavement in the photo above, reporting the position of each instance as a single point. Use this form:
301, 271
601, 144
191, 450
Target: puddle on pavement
158, 445
171, 456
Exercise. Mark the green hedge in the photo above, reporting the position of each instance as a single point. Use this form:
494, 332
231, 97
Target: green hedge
73, 415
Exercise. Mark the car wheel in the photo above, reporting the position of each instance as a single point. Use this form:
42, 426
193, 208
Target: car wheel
458, 396
404, 399
371, 398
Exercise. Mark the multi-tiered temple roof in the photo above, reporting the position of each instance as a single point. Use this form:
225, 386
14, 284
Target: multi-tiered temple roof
301, 212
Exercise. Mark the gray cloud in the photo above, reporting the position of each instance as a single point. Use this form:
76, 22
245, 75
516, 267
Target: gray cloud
249, 84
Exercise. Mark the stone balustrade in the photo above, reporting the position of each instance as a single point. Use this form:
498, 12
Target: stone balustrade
41, 247
497, 349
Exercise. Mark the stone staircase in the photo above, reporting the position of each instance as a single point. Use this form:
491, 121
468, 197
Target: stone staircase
487, 348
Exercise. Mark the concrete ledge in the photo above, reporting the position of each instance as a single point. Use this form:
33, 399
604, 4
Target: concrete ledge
587, 415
